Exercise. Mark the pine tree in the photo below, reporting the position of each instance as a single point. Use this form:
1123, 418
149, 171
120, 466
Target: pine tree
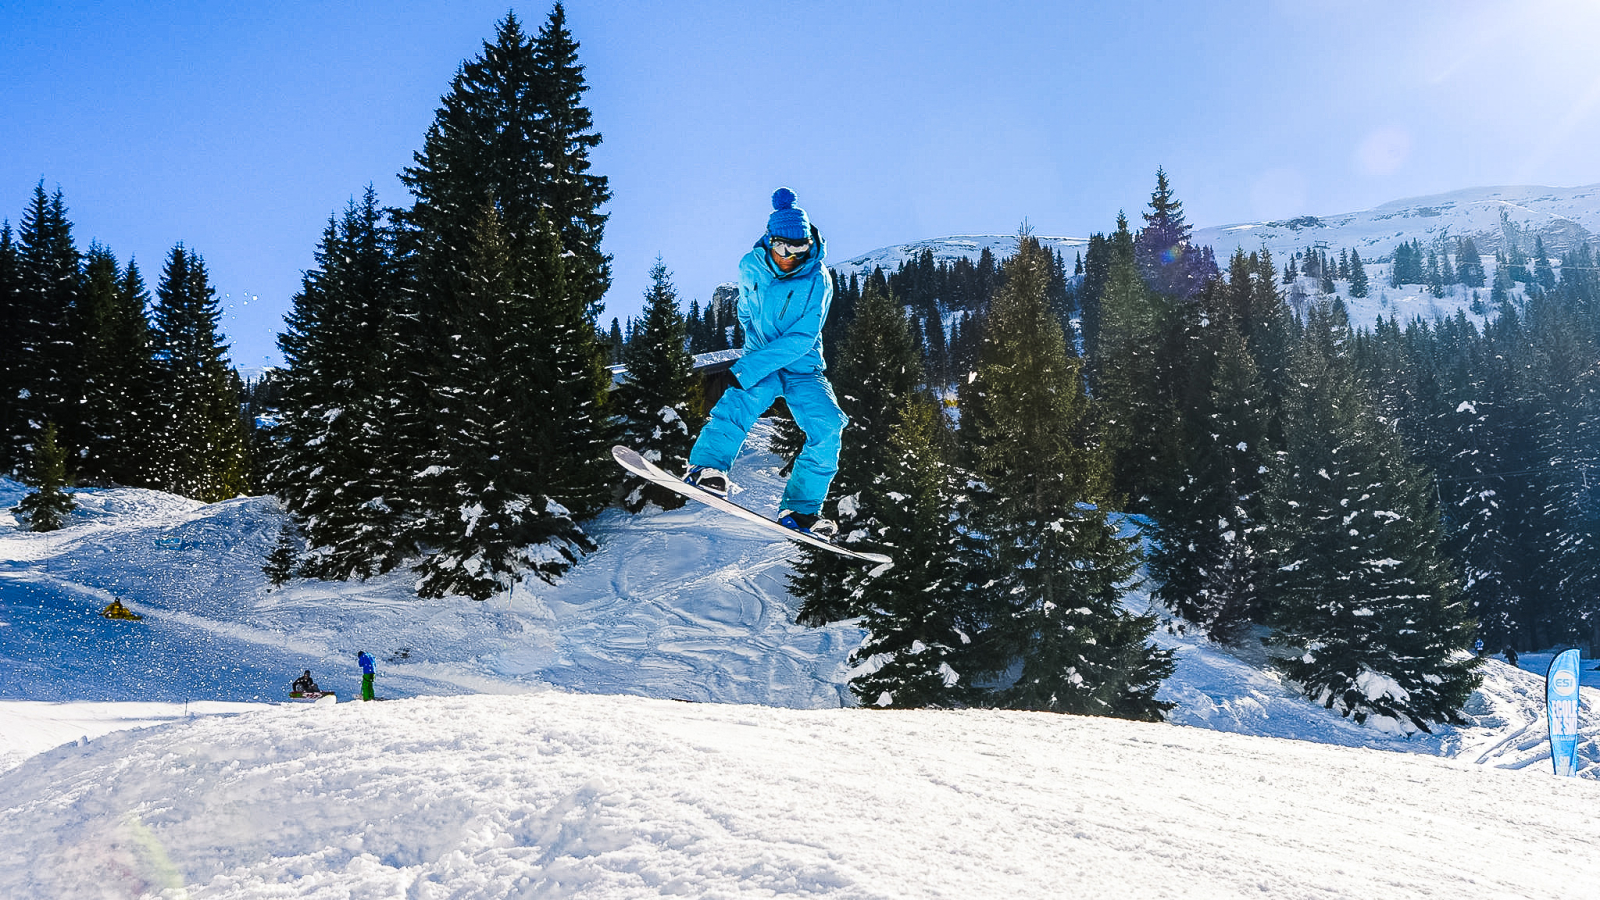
281, 562
1359, 286
510, 144
1209, 555
879, 369
43, 359
119, 402
1057, 565
1361, 596
11, 351
1169, 264
495, 482
657, 402
918, 614
1129, 374
201, 449
340, 470
47, 507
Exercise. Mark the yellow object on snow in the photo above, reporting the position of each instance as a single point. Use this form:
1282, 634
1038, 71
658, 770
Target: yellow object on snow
117, 611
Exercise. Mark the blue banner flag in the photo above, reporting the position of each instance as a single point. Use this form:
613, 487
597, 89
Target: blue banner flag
1561, 706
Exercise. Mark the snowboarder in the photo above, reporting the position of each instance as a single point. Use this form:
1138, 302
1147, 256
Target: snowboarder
784, 294
115, 610
305, 684
1477, 647
368, 672
1511, 654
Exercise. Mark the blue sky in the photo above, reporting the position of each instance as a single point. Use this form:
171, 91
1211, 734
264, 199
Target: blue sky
238, 129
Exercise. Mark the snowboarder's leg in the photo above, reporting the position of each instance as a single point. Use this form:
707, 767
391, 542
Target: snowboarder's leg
366, 687
816, 411
730, 421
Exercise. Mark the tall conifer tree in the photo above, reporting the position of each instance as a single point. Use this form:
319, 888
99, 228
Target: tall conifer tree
504, 169
1361, 594
201, 447
1058, 567
44, 360
657, 402
338, 471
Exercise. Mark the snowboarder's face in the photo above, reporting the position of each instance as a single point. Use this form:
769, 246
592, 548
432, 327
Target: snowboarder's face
787, 254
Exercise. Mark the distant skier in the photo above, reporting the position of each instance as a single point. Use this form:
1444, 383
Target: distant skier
784, 295
1511, 654
1477, 647
369, 671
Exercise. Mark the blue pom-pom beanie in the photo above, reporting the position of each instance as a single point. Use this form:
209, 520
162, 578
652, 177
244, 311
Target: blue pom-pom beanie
787, 220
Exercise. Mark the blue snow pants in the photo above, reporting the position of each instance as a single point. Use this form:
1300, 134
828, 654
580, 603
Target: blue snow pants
816, 411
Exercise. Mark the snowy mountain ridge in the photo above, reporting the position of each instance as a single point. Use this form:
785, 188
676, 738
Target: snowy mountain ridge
1562, 216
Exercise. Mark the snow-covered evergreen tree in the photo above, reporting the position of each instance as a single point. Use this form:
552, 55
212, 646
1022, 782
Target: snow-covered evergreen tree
879, 368
504, 171
42, 359
1361, 596
201, 450
494, 482
1056, 567
657, 403
1209, 554
919, 613
47, 507
337, 469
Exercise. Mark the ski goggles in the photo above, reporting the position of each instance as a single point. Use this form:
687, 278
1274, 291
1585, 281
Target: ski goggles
786, 248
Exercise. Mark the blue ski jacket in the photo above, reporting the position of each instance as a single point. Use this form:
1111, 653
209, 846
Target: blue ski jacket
366, 664
782, 312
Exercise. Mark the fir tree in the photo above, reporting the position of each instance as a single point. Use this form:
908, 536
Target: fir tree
504, 169
1361, 595
1359, 286
1469, 264
11, 352
201, 444
1057, 567
657, 401
1209, 556
879, 370
1129, 374
918, 614
47, 507
1169, 264
340, 471
281, 562
43, 358
495, 480
119, 402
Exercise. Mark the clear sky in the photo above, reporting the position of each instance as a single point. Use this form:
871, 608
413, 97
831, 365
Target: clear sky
239, 128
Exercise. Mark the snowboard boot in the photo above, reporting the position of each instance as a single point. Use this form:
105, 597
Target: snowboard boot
816, 526
712, 481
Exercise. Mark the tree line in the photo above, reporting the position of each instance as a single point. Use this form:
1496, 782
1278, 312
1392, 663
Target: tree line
101, 383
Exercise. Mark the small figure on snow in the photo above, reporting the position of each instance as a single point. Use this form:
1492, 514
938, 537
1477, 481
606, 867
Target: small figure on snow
1477, 647
369, 671
305, 684
784, 295
1510, 654
115, 610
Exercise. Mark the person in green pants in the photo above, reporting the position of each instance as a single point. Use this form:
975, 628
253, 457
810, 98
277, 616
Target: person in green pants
368, 672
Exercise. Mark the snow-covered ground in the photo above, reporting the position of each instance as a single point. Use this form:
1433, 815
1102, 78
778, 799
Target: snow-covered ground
534, 746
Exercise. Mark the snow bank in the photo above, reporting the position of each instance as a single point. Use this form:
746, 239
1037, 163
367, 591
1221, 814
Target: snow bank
559, 795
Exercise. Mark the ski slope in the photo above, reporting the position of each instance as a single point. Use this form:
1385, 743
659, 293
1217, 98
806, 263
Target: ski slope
536, 746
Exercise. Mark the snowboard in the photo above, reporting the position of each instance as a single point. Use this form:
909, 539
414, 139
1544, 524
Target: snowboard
313, 696
630, 459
